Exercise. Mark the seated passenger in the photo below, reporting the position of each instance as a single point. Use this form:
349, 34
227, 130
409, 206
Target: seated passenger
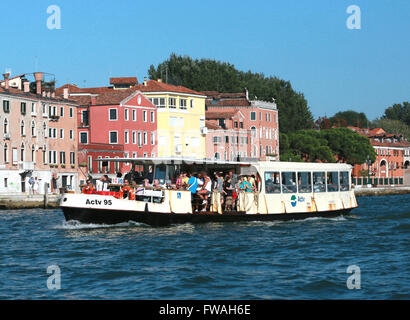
88, 188
156, 184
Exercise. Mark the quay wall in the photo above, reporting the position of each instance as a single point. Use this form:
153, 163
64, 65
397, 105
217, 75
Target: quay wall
374, 191
24, 201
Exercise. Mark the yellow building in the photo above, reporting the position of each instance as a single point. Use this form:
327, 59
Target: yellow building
181, 128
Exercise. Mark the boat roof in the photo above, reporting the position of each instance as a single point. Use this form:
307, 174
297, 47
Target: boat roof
175, 160
264, 165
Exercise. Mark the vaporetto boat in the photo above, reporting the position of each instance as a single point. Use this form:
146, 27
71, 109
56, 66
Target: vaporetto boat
285, 191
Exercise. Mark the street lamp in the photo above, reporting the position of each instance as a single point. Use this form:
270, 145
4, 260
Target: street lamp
368, 162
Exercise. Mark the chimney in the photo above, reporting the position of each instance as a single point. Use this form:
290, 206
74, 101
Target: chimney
38, 76
93, 100
65, 93
145, 81
26, 86
159, 80
6, 80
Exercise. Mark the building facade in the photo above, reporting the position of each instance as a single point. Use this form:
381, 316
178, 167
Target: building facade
390, 168
38, 139
260, 120
227, 139
181, 119
114, 124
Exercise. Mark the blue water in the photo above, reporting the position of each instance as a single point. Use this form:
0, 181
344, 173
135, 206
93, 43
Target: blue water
261, 260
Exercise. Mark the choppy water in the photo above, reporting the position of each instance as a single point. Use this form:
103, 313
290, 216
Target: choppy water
262, 260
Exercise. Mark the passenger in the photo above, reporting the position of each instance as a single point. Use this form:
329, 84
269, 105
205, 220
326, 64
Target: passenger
228, 191
146, 184
185, 179
156, 184
192, 184
245, 185
89, 188
251, 180
220, 186
205, 190
178, 183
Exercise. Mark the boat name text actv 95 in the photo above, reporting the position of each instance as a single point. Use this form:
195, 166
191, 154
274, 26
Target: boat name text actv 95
98, 202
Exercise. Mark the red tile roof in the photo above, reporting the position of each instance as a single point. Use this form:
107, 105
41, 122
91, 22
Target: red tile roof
220, 114
212, 126
155, 86
124, 80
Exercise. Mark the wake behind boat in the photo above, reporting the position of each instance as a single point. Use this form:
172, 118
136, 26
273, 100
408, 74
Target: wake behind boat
281, 191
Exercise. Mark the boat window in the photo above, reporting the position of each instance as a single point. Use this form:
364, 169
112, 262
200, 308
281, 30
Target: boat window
304, 182
319, 184
272, 182
344, 181
288, 182
332, 181
160, 172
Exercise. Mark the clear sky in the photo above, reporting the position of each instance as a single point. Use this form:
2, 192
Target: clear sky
305, 42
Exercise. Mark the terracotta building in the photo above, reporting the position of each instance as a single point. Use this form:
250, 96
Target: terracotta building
390, 166
38, 136
260, 120
113, 123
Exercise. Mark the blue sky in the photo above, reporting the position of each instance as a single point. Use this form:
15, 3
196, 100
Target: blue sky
305, 42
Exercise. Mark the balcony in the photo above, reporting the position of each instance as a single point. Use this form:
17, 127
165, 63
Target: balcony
54, 118
26, 165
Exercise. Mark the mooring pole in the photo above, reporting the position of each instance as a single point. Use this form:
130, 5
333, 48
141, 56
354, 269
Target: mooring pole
45, 195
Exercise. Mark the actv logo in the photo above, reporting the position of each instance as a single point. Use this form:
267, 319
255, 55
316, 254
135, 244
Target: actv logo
293, 201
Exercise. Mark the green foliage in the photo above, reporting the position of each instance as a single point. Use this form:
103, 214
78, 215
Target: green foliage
350, 118
211, 75
327, 146
392, 126
399, 112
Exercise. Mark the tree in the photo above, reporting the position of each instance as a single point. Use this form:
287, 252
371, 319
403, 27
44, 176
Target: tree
350, 118
212, 75
327, 145
392, 126
399, 112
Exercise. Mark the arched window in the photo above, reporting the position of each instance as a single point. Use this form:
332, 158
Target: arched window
33, 128
6, 153
22, 128
45, 129
33, 153
22, 152
6, 125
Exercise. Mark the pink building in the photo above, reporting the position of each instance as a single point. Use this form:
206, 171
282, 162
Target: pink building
38, 137
226, 139
260, 119
115, 123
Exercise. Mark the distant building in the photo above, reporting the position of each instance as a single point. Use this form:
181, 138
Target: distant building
227, 139
392, 159
114, 124
260, 120
180, 114
38, 137
181, 119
